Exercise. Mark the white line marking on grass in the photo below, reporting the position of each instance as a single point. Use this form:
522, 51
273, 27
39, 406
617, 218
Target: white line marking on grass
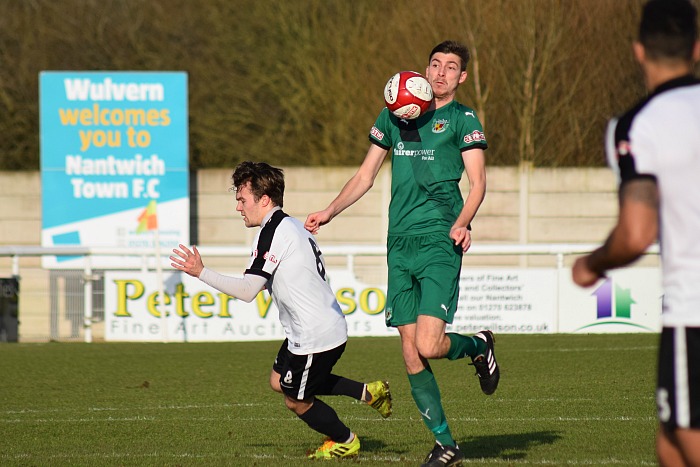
23, 411
115, 409
83, 420
555, 419
591, 349
183, 407
519, 400
558, 462
549, 400
154, 419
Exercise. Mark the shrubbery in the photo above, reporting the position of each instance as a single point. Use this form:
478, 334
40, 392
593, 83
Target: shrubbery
300, 83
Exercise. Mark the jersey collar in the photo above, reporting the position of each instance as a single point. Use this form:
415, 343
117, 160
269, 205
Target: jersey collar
687, 80
268, 216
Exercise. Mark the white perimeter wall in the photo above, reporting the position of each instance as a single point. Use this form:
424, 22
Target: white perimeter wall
522, 205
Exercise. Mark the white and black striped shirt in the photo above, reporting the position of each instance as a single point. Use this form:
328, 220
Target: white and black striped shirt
660, 138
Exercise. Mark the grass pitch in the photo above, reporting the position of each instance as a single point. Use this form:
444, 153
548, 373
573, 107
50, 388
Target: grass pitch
562, 400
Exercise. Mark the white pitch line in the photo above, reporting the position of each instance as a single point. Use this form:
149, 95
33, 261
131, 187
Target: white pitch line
547, 400
157, 407
591, 349
558, 419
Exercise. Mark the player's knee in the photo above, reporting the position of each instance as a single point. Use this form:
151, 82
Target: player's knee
275, 382
275, 385
297, 406
428, 348
688, 443
291, 403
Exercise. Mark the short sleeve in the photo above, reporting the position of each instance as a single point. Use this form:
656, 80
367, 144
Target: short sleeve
471, 132
379, 133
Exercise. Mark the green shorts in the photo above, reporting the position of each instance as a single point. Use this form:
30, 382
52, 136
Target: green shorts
423, 278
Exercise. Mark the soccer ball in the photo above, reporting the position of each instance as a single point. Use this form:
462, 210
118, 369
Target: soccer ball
408, 95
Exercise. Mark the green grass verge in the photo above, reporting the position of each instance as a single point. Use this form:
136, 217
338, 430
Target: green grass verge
563, 400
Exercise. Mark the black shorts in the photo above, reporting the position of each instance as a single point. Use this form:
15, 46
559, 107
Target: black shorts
678, 387
302, 375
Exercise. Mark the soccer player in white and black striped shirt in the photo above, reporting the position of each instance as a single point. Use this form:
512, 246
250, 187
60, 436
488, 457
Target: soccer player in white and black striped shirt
287, 262
655, 147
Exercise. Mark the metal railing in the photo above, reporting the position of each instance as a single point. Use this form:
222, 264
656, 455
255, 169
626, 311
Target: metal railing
148, 259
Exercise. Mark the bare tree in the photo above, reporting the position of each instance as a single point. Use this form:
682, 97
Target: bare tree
300, 83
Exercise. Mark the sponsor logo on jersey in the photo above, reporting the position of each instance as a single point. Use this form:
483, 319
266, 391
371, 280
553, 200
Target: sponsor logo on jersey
474, 136
623, 148
440, 125
426, 154
376, 133
270, 257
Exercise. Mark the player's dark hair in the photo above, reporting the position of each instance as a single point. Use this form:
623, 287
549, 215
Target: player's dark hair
452, 47
668, 29
264, 180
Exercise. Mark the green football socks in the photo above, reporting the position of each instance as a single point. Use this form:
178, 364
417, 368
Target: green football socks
426, 393
464, 346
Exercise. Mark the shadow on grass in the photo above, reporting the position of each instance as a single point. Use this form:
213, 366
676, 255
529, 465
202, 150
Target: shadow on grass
512, 446
370, 444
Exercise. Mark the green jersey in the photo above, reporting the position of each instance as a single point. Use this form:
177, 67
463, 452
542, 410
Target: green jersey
427, 165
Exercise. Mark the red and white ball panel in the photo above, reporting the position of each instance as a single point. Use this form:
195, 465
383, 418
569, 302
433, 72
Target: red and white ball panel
408, 94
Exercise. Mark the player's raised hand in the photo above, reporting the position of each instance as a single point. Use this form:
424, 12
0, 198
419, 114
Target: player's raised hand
187, 260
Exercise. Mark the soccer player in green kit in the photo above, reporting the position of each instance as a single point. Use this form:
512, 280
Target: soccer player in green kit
429, 230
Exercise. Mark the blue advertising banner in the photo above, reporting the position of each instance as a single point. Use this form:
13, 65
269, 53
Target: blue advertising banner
114, 149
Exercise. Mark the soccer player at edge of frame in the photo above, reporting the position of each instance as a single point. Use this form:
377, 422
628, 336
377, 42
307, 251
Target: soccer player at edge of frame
429, 231
655, 150
287, 262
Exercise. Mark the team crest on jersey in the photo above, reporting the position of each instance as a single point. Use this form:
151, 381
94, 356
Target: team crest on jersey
440, 125
376, 133
474, 136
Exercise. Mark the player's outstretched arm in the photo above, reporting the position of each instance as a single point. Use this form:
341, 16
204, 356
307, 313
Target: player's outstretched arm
188, 261
245, 288
354, 189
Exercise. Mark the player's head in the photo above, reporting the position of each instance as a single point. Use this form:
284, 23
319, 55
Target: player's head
452, 47
263, 178
668, 30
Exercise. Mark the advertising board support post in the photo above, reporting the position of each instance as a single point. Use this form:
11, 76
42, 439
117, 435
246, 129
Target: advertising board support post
87, 298
9, 309
160, 303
